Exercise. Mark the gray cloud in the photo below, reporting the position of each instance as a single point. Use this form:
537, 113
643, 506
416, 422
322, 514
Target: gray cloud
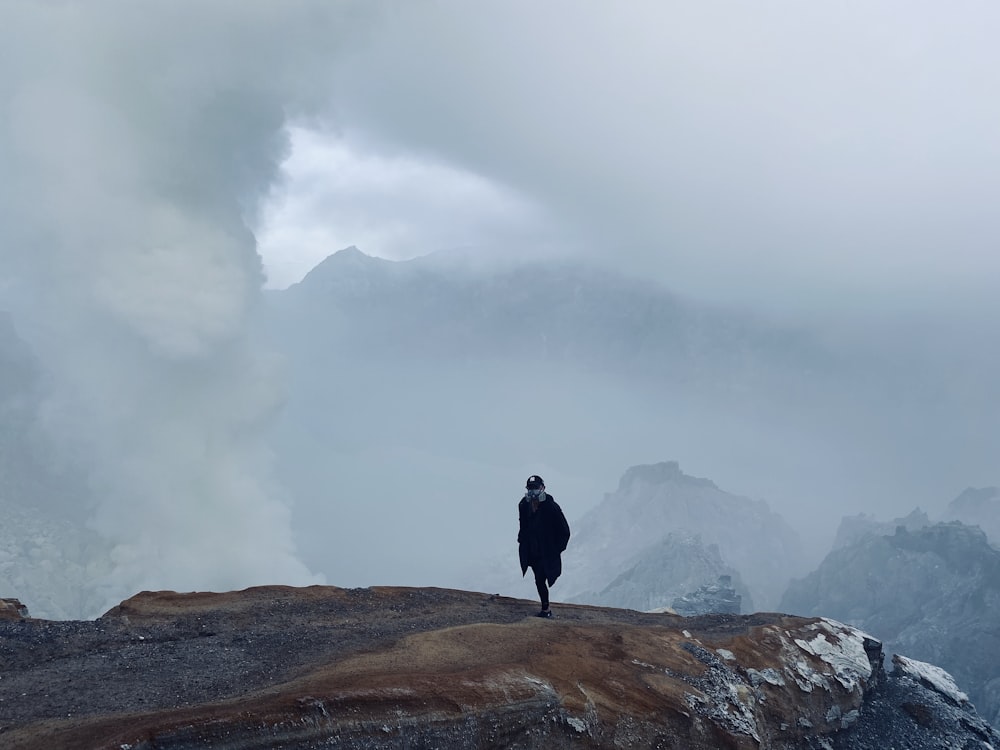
838, 162
333, 194
137, 142
739, 152
834, 166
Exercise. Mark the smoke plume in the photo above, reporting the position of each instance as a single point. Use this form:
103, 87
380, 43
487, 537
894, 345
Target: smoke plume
137, 142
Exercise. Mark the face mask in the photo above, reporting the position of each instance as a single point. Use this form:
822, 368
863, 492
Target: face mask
535, 494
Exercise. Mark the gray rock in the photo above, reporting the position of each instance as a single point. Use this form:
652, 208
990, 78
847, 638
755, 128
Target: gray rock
393, 667
932, 594
909, 712
713, 597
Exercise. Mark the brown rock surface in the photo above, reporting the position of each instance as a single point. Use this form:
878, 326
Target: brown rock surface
399, 667
12, 609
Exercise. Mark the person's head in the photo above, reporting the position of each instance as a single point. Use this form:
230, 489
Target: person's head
534, 488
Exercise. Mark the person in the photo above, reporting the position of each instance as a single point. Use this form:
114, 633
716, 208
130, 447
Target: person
542, 537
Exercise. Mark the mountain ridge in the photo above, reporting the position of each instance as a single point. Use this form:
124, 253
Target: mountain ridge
545, 304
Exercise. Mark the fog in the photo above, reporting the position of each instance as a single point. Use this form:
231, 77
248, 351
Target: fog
456, 383
137, 143
743, 153
825, 173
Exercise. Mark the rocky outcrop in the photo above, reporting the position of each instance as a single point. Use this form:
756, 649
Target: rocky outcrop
654, 501
403, 668
12, 609
918, 707
711, 597
932, 594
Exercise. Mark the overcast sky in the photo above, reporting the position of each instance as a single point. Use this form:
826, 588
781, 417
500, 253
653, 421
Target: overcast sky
815, 160
788, 154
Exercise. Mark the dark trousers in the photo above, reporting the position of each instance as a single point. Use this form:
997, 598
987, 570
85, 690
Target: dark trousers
541, 585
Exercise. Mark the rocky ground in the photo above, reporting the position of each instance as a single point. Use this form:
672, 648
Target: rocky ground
412, 668
931, 593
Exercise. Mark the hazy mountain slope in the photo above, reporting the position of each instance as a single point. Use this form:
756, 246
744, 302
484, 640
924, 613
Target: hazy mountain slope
545, 311
675, 566
654, 501
931, 593
48, 558
53, 565
21, 476
421, 393
421, 390
977, 506
853, 529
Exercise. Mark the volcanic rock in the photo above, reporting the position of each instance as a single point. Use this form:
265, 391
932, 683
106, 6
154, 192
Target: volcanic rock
932, 594
711, 597
404, 668
12, 609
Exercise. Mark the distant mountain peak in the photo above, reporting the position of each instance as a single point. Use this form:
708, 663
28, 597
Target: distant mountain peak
347, 268
348, 256
661, 473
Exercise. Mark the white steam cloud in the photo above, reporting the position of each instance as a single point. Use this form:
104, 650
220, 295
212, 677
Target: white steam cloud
136, 142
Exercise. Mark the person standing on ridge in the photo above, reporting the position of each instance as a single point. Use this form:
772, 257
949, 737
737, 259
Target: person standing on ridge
541, 538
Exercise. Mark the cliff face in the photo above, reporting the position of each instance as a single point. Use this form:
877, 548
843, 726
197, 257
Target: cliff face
393, 667
932, 593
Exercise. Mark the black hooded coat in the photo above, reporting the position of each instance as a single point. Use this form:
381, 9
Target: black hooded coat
542, 537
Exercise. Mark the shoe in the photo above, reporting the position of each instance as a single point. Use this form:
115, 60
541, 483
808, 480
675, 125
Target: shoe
544, 613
